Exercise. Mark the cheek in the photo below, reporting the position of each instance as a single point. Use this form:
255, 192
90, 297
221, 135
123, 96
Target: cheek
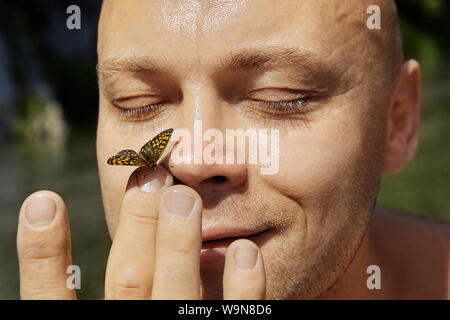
322, 163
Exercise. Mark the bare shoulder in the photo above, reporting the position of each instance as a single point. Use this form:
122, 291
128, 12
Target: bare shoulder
417, 249
412, 228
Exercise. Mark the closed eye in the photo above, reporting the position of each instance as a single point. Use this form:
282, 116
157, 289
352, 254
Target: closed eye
139, 112
282, 107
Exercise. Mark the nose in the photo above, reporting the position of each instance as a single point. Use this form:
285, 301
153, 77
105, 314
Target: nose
213, 180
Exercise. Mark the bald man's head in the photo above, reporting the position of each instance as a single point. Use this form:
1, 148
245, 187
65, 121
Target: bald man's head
345, 19
310, 69
388, 40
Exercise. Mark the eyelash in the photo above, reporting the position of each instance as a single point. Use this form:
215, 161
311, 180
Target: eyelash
138, 113
286, 107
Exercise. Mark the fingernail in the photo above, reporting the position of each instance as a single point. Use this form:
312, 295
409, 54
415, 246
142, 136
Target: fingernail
40, 211
151, 180
245, 257
178, 203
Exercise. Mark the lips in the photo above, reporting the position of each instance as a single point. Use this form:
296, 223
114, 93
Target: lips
217, 239
221, 232
225, 242
221, 236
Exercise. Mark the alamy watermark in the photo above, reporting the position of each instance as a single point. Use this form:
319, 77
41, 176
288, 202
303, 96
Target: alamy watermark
74, 280
74, 20
263, 147
374, 20
374, 280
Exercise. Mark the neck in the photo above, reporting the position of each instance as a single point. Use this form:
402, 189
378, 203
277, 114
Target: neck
353, 283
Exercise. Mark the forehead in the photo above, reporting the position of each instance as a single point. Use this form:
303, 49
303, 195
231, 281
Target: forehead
195, 30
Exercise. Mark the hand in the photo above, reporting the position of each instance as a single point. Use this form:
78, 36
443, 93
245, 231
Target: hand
155, 252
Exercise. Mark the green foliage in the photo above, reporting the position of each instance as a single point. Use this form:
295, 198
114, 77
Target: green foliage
31, 107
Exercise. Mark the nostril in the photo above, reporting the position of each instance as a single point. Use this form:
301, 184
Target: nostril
219, 179
212, 180
176, 180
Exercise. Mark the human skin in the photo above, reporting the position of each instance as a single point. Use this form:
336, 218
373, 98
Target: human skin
310, 224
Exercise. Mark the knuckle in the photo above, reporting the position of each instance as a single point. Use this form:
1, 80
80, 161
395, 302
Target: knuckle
41, 256
144, 219
123, 289
181, 249
180, 252
129, 281
46, 246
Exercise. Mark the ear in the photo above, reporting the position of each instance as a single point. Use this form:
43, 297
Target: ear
403, 122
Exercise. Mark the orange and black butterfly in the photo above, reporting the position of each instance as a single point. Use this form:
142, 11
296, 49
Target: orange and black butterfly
148, 155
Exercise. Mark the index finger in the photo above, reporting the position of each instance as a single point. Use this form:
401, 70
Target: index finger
129, 272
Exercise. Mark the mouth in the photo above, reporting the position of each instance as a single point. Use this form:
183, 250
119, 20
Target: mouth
226, 241
215, 243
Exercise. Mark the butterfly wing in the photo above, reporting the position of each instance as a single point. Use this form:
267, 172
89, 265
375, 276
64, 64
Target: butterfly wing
126, 158
153, 149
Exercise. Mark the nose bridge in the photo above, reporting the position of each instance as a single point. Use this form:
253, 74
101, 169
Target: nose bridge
200, 103
202, 116
200, 111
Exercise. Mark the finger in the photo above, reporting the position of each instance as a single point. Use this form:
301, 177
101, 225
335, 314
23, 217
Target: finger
129, 272
43, 247
244, 277
178, 244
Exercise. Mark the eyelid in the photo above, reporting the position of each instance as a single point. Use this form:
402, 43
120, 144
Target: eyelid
138, 107
135, 102
290, 94
281, 108
141, 113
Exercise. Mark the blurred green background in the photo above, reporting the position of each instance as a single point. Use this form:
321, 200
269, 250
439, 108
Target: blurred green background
48, 113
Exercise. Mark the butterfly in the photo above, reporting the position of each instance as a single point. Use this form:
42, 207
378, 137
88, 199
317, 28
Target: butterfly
148, 155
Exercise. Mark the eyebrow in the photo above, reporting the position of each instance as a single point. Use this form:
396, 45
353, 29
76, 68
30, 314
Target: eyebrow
258, 58
242, 60
137, 64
